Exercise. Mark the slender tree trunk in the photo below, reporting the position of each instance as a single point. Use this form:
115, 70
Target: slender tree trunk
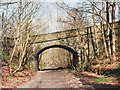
81, 59
93, 44
94, 35
23, 44
21, 59
11, 58
88, 45
102, 23
113, 31
2, 35
108, 29
88, 54
16, 41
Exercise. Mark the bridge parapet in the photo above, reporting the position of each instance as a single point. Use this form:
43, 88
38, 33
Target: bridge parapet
53, 36
72, 40
60, 35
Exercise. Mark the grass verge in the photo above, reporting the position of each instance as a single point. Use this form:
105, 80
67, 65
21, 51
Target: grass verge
103, 79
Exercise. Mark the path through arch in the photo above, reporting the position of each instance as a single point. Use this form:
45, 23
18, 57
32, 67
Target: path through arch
75, 54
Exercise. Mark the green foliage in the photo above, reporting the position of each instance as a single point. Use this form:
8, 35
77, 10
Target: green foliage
7, 75
14, 65
10, 77
8, 59
73, 67
113, 75
5, 57
104, 79
117, 67
0, 71
76, 68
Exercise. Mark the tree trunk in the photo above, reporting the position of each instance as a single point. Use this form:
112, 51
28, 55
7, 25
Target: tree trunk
108, 29
102, 23
88, 54
93, 44
113, 32
94, 36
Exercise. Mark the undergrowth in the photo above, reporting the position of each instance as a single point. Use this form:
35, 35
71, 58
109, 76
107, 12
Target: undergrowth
7, 59
117, 67
104, 79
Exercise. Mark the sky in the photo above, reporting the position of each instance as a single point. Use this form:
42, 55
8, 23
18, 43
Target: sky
48, 10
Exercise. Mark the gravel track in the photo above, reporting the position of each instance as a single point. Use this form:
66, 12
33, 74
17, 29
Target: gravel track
52, 79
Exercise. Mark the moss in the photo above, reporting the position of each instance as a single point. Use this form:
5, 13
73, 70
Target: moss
5, 57
104, 79
117, 67
14, 65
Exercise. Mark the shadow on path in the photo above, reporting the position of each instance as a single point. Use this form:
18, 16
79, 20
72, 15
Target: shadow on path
51, 69
87, 80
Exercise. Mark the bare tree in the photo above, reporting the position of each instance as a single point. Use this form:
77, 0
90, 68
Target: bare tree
100, 14
19, 26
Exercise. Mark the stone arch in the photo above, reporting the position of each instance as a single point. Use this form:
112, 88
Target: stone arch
75, 54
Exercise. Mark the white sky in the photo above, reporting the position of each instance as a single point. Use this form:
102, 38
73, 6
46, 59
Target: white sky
49, 10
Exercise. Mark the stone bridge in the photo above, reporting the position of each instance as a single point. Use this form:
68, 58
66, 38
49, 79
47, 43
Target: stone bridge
73, 40
67, 40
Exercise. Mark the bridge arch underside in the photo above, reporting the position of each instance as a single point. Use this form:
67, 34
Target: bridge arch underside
75, 54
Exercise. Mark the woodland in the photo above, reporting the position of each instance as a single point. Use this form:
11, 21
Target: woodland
99, 47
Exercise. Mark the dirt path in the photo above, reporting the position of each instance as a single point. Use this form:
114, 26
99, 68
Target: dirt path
53, 79
64, 79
